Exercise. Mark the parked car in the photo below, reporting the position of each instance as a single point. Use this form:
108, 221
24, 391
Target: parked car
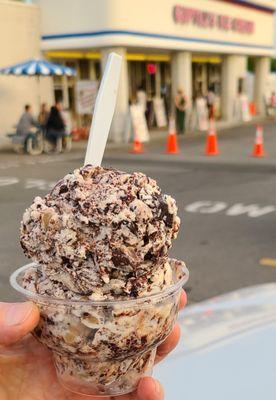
227, 350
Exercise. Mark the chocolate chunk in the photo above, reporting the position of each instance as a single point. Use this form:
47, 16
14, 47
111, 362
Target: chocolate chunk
133, 292
89, 254
66, 262
84, 293
119, 258
144, 339
63, 189
149, 256
164, 213
23, 246
133, 228
146, 239
49, 321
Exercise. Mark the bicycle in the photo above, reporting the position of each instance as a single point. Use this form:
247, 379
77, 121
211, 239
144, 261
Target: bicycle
32, 144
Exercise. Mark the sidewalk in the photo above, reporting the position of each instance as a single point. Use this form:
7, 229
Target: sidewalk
235, 147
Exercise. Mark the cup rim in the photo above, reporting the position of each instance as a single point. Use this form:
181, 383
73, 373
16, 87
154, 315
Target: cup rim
43, 297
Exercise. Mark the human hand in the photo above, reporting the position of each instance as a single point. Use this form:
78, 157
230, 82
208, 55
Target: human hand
26, 367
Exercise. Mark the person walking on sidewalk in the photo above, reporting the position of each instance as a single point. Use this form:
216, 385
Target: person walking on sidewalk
180, 103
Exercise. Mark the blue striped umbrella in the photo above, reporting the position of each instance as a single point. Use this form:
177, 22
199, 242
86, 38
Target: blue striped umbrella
38, 68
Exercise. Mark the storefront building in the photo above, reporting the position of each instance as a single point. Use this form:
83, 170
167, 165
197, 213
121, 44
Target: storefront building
165, 45
19, 41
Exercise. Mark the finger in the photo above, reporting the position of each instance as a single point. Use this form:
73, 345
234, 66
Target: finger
149, 389
183, 299
16, 320
169, 344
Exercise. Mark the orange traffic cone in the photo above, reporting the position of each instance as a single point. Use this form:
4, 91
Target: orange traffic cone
211, 142
172, 145
258, 150
137, 146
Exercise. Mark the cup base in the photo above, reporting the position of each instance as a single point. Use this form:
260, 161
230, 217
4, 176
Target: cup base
86, 377
74, 386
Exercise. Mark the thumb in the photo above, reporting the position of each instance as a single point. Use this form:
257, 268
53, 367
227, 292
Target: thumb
149, 389
16, 320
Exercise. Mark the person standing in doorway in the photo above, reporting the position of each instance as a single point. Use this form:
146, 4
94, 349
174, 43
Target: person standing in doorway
142, 98
180, 103
211, 99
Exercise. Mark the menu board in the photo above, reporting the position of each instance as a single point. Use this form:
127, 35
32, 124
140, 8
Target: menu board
159, 112
139, 123
86, 93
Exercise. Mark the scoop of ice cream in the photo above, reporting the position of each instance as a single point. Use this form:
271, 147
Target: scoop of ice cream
99, 224
150, 283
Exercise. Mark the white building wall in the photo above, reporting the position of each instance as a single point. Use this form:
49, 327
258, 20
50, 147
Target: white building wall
19, 41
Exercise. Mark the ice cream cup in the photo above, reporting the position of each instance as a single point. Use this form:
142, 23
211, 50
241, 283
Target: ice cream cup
104, 347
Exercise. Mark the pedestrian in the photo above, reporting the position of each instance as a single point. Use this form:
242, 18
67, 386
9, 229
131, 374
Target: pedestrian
180, 103
55, 125
43, 115
27, 123
141, 96
211, 100
27, 369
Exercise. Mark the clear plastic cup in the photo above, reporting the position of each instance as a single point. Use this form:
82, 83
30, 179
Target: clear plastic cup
104, 347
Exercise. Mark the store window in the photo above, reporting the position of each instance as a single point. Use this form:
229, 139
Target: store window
214, 77
84, 69
145, 74
206, 75
98, 72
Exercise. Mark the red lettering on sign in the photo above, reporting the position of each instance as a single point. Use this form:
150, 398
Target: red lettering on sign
206, 19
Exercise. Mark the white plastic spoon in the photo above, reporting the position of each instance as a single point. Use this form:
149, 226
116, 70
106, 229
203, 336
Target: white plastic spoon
103, 111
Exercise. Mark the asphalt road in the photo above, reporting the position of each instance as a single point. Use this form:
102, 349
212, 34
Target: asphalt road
228, 215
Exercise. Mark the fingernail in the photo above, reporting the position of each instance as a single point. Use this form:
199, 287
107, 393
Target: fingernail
16, 314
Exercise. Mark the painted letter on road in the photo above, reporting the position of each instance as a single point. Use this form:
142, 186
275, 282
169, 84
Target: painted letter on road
252, 210
206, 207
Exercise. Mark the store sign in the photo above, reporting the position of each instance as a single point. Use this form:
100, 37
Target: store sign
160, 112
206, 19
86, 92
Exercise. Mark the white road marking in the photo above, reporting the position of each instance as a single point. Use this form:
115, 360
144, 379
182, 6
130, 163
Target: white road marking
28, 183
6, 166
252, 210
8, 180
40, 184
212, 207
30, 162
58, 158
206, 207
